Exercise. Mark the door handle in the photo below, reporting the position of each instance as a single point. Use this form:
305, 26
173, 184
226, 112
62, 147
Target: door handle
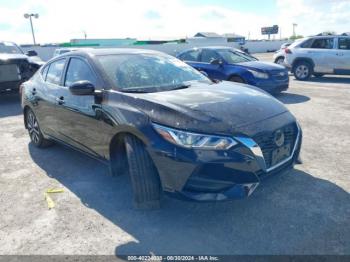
60, 100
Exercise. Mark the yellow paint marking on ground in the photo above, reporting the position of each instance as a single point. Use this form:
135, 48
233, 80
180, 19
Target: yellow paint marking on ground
50, 203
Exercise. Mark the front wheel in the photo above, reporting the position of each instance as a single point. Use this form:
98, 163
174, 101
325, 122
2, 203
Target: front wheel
302, 71
144, 175
34, 131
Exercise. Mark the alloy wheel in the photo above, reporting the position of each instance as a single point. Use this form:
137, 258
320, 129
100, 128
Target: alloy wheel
33, 127
302, 71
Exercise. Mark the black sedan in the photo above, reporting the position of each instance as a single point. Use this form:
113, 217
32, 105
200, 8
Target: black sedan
162, 122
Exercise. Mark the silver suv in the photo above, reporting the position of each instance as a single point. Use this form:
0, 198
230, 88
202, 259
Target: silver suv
319, 55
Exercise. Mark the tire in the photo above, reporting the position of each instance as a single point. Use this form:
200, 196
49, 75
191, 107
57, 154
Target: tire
318, 74
303, 71
236, 79
144, 176
35, 134
279, 60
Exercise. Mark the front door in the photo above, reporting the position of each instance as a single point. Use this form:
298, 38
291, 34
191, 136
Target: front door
214, 71
80, 115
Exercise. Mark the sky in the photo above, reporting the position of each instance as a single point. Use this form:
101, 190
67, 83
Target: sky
60, 21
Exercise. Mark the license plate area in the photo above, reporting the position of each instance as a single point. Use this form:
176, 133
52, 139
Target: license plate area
280, 154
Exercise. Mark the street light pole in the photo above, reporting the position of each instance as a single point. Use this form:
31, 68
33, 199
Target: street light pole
31, 23
294, 26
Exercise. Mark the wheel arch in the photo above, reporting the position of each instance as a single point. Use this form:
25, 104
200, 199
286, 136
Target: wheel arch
117, 141
279, 57
25, 110
236, 75
303, 59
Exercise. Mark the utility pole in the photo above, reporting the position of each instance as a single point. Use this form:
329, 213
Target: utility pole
26, 16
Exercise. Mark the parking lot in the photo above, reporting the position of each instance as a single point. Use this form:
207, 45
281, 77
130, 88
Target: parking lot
303, 211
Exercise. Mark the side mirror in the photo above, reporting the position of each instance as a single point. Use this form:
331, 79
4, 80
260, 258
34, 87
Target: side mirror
82, 88
216, 62
32, 53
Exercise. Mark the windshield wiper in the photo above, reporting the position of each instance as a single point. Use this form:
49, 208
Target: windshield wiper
181, 86
134, 90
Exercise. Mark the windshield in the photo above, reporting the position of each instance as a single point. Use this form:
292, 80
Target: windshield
9, 48
233, 57
149, 72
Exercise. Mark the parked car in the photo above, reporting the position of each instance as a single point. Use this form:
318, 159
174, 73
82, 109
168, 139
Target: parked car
15, 66
61, 51
278, 57
224, 63
149, 115
319, 55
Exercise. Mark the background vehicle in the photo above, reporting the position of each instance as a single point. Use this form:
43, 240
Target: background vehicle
61, 51
150, 115
224, 63
15, 66
278, 57
319, 55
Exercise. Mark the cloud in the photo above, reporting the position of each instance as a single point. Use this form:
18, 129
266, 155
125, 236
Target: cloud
63, 20
314, 16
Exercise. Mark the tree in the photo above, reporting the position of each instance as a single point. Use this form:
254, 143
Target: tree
294, 37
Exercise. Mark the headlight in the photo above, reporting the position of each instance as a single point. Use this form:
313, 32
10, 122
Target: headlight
259, 74
193, 140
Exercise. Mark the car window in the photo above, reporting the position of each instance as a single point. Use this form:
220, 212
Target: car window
44, 72
149, 72
323, 43
232, 57
79, 70
192, 55
209, 55
344, 43
9, 48
55, 72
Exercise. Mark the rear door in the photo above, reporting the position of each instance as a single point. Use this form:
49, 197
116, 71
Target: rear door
343, 56
214, 71
80, 115
323, 53
46, 92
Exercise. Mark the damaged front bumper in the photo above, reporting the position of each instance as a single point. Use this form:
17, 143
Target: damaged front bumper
203, 175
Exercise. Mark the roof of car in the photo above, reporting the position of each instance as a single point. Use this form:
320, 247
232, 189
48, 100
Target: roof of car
113, 51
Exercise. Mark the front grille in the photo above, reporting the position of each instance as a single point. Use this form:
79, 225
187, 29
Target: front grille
277, 75
267, 144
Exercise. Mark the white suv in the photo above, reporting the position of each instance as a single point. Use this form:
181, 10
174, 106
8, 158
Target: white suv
319, 55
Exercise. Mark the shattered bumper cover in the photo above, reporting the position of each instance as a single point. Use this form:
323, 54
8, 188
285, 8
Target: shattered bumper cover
202, 175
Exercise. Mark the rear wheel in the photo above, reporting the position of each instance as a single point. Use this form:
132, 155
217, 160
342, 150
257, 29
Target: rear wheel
34, 131
144, 176
279, 60
302, 71
236, 79
318, 75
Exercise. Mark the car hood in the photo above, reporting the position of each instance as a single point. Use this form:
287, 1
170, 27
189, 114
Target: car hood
4, 57
220, 108
265, 66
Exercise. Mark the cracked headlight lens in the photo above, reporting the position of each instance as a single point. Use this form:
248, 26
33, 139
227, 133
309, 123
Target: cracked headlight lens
194, 140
